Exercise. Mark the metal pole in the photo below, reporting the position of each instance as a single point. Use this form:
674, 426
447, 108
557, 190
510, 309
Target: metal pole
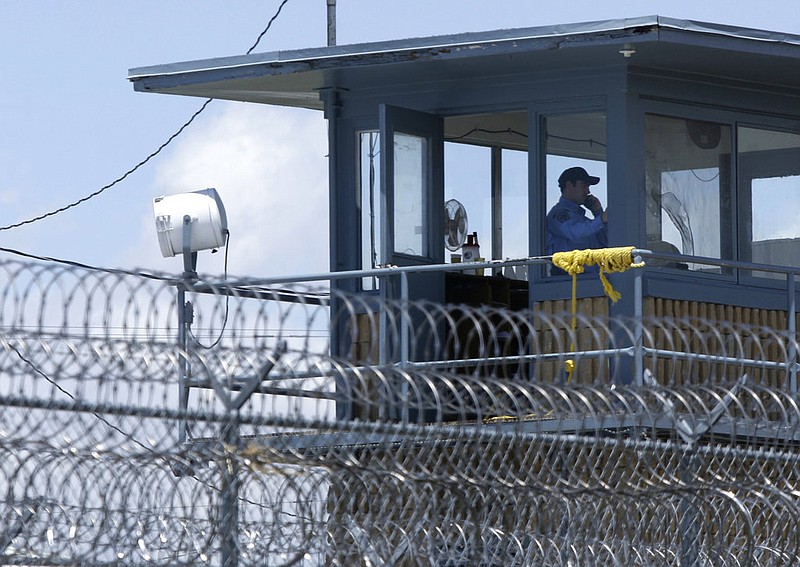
185, 317
229, 496
638, 314
689, 522
792, 329
404, 342
331, 22
183, 365
404, 326
383, 323
383, 338
497, 206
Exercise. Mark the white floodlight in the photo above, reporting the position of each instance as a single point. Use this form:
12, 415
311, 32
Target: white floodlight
188, 222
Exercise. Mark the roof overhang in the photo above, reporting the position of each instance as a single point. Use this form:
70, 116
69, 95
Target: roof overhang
296, 78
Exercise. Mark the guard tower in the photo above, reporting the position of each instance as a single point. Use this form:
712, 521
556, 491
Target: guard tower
693, 128
694, 131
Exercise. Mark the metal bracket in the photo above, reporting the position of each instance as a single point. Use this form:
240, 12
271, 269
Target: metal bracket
255, 381
691, 433
251, 383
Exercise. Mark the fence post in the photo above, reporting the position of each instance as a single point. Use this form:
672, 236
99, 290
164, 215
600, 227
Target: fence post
229, 493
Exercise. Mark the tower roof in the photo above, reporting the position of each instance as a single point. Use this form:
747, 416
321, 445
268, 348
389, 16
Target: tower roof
296, 77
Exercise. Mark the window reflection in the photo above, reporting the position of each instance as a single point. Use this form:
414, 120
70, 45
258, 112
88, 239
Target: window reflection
410, 177
688, 164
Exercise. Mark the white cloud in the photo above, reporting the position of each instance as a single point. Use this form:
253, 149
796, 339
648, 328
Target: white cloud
269, 166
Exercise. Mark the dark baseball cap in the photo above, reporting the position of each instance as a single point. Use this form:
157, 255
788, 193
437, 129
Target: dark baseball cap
574, 174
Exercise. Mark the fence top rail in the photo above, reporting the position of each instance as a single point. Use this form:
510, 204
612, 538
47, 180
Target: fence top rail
392, 270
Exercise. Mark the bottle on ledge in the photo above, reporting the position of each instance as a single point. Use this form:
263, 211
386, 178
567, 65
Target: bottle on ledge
471, 251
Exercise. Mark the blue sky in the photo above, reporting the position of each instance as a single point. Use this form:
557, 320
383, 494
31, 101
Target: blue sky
71, 122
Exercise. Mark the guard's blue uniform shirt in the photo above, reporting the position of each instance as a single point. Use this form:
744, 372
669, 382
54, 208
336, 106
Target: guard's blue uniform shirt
568, 228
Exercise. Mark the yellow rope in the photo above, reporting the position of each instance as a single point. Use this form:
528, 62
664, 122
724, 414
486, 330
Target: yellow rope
609, 260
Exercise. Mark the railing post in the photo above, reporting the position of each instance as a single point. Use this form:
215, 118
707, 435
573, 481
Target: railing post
638, 313
689, 518
404, 327
791, 321
404, 342
383, 339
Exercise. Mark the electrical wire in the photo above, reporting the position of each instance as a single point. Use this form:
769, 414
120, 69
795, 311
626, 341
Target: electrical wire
266, 29
227, 299
145, 160
72, 397
590, 141
50, 259
116, 428
478, 130
113, 183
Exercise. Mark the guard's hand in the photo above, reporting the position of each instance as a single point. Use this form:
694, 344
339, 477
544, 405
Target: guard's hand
593, 204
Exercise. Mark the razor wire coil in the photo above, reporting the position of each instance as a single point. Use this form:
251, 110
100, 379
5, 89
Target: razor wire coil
304, 437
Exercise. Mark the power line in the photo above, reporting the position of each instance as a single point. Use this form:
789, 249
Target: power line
38, 371
149, 157
266, 29
164, 278
116, 181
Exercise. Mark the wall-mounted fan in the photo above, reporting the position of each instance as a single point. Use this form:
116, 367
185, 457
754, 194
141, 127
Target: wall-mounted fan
455, 225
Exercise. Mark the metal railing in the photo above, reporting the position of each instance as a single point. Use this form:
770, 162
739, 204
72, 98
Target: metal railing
637, 350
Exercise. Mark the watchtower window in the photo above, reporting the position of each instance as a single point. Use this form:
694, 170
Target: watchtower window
410, 199
496, 201
486, 170
769, 184
575, 140
688, 184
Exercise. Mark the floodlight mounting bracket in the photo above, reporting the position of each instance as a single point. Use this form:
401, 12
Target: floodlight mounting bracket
189, 256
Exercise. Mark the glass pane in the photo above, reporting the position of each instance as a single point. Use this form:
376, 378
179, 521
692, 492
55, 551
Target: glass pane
575, 140
498, 214
769, 178
410, 192
515, 204
468, 171
688, 189
369, 176
467, 178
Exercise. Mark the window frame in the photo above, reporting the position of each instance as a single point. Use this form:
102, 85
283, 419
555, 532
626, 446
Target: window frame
543, 285
740, 228
729, 227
